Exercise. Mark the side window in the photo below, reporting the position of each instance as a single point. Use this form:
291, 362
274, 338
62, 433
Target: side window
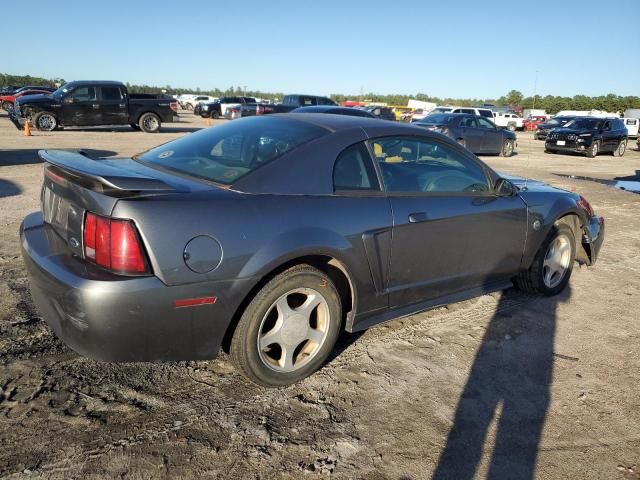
305, 101
468, 122
468, 110
84, 94
424, 165
111, 93
607, 126
353, 170
484, 123
486, 113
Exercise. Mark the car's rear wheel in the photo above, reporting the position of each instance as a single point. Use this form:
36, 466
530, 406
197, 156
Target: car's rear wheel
288, 329
214, 114
593, 150
45, 121
507, 148
149, 122
621, 148
189, 106
552, 266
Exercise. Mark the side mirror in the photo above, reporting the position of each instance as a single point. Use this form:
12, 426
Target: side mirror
504, 188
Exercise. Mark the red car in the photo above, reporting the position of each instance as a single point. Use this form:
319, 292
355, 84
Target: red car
7, 101
532, 123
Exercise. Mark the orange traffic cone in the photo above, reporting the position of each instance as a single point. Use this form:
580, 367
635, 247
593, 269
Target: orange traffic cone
27, 128
208, 121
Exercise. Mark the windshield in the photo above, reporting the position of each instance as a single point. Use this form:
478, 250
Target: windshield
438, 118
585, 124
62, 91
558, 121
227, 152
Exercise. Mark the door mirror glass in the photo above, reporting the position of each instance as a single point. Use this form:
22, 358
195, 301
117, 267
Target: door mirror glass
504, 188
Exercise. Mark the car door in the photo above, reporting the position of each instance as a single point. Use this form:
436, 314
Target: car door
113, 105
81, 107
451, 231
491, 136
609, 137
472, 135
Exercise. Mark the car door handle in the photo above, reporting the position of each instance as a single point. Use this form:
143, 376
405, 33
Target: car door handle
122, 105
95, 106
418, 217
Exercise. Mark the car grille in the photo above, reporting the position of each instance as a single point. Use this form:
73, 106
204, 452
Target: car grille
572, 137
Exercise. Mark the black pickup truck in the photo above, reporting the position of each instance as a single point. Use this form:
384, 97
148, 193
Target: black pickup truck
95, 103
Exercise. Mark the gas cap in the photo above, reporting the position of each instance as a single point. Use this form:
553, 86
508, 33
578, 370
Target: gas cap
202, 254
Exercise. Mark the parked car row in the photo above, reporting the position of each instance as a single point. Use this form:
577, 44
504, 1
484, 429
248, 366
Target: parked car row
590, 136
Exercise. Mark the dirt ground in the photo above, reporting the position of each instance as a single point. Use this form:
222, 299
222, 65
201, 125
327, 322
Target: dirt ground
503, 386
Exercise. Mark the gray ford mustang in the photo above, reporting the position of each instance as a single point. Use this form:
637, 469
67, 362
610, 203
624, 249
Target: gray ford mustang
268, 235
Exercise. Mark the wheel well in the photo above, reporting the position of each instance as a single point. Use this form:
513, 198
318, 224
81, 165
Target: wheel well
332, 267
583, 251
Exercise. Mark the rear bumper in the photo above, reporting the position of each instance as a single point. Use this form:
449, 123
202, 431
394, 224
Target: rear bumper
114, 318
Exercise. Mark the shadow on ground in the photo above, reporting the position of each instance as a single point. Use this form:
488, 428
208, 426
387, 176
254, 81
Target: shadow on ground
8, 188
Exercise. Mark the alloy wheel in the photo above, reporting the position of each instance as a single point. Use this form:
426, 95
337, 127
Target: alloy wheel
556, 261
294, 330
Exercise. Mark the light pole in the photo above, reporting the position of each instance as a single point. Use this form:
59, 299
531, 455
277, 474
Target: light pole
535, 90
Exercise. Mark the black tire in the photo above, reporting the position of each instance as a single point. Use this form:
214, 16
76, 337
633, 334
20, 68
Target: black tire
511, 127
149, 122
533, 279
45, 121
621, 148
135, 126
507, 148
214, 114
7, 106
593, 150
188, 106
244, 350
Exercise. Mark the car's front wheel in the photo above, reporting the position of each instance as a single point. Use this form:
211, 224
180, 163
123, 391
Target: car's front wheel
288, 329
45, 121
552, 266
620, 149
7, 106
593, 150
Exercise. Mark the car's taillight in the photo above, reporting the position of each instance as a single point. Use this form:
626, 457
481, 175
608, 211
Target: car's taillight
174, 106
586, 206
114, 244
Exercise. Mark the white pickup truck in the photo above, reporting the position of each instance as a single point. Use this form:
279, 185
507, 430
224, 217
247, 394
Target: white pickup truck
510, 121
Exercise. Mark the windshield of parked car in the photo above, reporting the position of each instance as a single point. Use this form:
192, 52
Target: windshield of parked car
227, 152
585, 124
62, 91
438, 118
558, 121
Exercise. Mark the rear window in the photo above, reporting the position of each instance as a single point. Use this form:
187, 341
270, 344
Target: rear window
227, 152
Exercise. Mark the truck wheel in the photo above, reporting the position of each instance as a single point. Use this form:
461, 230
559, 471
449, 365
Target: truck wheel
592, 151
622, 147
215, 115
135, 126
511, 127
289, 328
45, 121
149, 122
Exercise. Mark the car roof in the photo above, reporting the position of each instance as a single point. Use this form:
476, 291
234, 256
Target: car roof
96, 82
336, 123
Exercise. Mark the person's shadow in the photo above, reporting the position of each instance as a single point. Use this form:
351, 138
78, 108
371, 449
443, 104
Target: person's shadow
510, 383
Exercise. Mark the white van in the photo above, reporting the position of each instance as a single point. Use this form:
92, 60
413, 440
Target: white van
632, 125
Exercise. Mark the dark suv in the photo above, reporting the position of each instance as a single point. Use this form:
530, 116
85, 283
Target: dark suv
589, 135
543, 129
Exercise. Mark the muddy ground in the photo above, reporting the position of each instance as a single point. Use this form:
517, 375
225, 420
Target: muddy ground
505, 385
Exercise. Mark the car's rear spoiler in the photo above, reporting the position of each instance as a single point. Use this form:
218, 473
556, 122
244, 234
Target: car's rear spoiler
80, 165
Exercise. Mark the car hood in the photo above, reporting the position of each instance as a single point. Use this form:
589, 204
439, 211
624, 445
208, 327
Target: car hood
38, 98
569, 131
532, 185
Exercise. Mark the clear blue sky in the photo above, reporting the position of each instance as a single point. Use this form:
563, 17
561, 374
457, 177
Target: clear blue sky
465, 48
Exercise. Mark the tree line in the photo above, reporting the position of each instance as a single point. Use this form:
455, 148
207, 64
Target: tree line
552, 104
